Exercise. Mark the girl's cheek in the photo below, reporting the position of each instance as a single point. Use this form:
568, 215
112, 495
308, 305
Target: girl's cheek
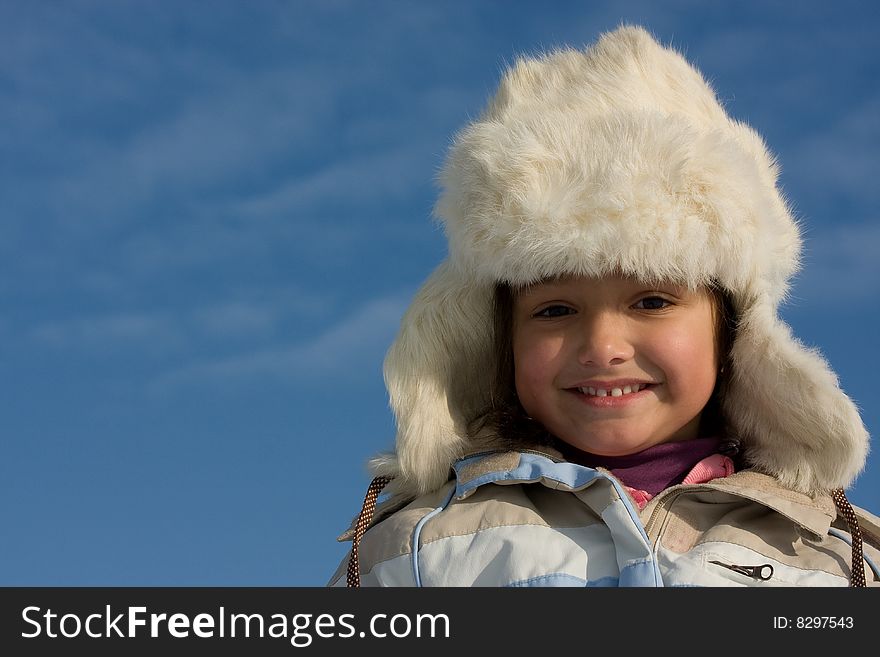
527, 372
688, 358
532, 371
532, 351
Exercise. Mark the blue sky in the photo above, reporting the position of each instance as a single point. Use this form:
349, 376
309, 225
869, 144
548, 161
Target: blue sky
213, 215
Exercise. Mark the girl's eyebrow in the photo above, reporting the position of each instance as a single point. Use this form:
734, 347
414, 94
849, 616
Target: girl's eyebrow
660, 286
664, 289
525, 290
538, 292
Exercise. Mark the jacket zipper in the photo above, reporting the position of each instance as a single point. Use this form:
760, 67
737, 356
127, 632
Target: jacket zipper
763, 572
663, 505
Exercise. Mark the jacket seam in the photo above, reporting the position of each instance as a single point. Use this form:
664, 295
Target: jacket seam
511, 524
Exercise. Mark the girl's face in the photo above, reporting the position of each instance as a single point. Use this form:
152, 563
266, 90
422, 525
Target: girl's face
613, 366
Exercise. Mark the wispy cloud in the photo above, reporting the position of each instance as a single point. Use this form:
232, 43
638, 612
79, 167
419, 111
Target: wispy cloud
342, 354
168, 155
841, 162
248, 316
109, 332
386, 176
237, 318
840, 266
119, 125
219, 137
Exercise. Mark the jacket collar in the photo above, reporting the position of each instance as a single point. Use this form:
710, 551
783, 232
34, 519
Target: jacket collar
547, 466
813, 513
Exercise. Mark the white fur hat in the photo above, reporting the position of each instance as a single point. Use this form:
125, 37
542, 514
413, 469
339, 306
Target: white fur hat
616, 158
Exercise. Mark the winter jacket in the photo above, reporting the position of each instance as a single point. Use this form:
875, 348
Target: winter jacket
530, 519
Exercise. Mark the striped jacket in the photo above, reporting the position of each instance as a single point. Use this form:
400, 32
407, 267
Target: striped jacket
528, 519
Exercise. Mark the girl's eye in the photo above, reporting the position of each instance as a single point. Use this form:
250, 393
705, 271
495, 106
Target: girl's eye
554, 311
652, 303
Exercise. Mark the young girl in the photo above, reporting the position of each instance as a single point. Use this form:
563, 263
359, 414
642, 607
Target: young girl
595, 388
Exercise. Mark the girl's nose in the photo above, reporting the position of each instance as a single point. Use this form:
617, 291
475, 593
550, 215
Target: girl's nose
604, 341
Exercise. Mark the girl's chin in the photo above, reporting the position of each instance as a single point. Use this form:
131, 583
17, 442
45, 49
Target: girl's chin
609, 446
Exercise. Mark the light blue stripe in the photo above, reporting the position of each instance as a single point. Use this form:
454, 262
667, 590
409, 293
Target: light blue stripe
563, 580
846, 538
641, 573
553, 579
532, 467
418, 530
560, 580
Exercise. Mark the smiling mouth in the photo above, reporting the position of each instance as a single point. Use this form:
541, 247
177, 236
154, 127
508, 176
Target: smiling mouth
614, 392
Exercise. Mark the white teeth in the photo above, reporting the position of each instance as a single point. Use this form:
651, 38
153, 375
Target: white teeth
614, 392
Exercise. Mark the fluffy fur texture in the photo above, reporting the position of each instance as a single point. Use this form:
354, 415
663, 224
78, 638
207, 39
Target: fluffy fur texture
618, 158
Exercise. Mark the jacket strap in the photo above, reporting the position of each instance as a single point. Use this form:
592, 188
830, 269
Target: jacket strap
857, 572
353, 578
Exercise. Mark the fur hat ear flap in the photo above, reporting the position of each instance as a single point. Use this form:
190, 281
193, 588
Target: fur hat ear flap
439, 376
785, 402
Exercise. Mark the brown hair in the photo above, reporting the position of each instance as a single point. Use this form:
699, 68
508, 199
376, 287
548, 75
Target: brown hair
510, 423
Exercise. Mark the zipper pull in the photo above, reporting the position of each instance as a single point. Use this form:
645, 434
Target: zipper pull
762, 572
